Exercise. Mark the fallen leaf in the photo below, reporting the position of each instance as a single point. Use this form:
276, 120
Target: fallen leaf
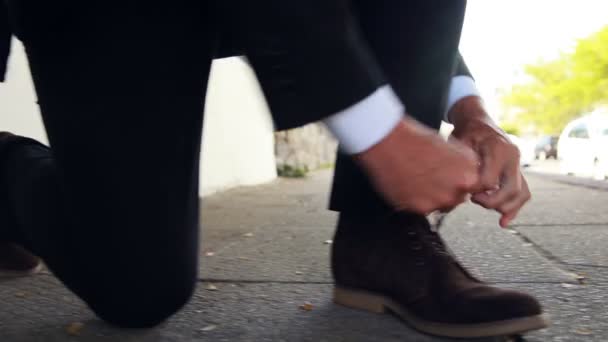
527, 244
328, 242
209, 254
306, 306
248, 234
209, 327
211, 287
299, 272
74, 329
583, 331
581, 279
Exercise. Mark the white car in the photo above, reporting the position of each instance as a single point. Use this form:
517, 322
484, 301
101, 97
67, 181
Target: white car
583, 146
526, 149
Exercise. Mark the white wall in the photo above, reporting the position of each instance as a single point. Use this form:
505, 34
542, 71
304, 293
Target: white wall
238, 141
18, 109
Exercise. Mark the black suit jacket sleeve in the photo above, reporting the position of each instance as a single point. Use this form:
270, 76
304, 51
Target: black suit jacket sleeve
309, 57
5, 39
461, 67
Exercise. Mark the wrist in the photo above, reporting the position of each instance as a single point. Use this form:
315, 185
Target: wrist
468, 109
407, 132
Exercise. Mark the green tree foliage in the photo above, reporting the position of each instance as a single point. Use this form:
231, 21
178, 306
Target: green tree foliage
559, 90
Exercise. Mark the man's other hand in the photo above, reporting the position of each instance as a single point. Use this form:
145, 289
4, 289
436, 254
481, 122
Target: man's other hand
504, 188
418, 171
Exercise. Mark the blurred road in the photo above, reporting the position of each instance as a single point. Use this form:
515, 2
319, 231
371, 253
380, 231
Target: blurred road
550, 166
550, 170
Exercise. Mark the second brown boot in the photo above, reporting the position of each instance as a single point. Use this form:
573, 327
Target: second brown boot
17, 262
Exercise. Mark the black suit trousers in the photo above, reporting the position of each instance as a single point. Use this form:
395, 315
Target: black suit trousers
416, 46
113, 207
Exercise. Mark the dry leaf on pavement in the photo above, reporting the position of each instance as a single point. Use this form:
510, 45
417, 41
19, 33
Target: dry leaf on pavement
306, 306
74, 329
583, 331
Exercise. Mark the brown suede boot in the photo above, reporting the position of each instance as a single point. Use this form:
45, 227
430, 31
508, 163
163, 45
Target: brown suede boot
398, 263
17, 262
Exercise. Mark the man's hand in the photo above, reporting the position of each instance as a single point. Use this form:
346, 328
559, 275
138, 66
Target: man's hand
504, 188
418, 171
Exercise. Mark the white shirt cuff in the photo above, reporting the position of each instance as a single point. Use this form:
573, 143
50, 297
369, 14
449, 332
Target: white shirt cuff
367, 122
460, 87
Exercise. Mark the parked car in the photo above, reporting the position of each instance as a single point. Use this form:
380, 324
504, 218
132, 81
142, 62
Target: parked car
546, 147
583, 146
526, 149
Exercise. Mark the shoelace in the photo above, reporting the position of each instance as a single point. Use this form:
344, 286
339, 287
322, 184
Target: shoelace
436, 220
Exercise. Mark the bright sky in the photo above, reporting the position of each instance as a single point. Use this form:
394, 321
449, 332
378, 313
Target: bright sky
500, 36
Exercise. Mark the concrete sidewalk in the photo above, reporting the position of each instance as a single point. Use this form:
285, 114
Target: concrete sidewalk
265, 253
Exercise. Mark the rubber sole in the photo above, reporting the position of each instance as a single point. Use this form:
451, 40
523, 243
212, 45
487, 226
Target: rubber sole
371, 302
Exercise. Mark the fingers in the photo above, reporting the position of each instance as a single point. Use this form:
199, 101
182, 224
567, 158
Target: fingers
510, 187
491, 169
508, 201
442, 201
469, 181
459, 199
415, 170
510, 209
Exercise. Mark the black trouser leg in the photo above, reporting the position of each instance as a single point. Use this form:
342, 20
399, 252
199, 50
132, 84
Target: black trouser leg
418, 70
113, 207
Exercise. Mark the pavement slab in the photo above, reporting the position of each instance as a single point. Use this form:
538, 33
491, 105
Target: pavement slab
272, 254
577, 312
284, 241
42, 309
559, 203
265, 252
301, 254
481, 249
233, 312
572, 244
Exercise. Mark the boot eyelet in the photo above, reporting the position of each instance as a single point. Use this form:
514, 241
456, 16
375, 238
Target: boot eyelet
416, 246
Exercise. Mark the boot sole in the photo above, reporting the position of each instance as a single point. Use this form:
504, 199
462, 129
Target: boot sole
19, 274
375, 303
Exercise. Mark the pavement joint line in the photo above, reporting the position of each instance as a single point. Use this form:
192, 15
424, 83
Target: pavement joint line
586, 265
262, 281
542, 251
570, 180
550, 257
517, 225
296, 282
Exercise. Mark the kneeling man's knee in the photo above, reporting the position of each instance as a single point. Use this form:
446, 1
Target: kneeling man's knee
146, 306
